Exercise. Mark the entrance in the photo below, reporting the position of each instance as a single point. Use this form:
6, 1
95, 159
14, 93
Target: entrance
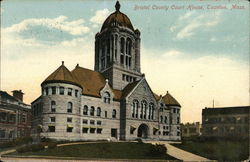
143, 131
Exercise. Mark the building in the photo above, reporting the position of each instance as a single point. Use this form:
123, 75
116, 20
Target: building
191, 129
226, 122
112, 102
15, 116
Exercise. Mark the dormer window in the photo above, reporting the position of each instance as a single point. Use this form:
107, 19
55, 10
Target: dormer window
106, 97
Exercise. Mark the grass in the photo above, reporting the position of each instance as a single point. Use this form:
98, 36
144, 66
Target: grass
111, 150
221, 150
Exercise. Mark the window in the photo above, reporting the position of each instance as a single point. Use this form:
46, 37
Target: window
174, 110
85, 110
12, 117
98, 112
106, 114
99, 131
53, 90
69, 129
106, 97
69, 120
99, 122
151, 111
122, 45
113, 132
114, 114
92, 130
46, 91
70, 91
84, 121
23, 118
135, 109
92, 111
143, 109
84, 130
2, 133
52, 119
52, 128
161, 119
53, 106
165, 120
92, 122
70, 107
178, 120
61, 92
76, 93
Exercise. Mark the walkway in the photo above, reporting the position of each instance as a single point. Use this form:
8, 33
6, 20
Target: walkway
178, 153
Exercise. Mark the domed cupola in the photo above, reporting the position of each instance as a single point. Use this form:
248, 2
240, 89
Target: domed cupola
117, 18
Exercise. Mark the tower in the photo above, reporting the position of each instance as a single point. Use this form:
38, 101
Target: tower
117, 50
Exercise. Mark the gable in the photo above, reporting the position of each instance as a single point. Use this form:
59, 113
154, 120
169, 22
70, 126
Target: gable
142, 91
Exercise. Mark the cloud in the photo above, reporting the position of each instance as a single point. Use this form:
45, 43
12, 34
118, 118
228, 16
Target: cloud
172, 53
60, 23
187, 25
100, 16
195, 82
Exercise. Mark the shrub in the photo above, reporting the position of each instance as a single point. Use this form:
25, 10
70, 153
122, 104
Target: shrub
51, 145
139, 140
16, 142
29, 148
157, 150
44, 139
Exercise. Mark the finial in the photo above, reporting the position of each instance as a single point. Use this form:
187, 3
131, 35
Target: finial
62, 62
77, 65
167, 92
107, 80
117, 6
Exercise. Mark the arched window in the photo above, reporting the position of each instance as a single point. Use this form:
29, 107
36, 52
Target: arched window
151, 111
85, 110
114, 113
92, 111
166, 119
134, 110
70, 107
143, 109
53, 106
128, 46
106, 97
122, 51
161, 119
98, 111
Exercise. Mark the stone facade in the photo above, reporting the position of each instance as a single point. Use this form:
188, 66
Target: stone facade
113, 102
191, 129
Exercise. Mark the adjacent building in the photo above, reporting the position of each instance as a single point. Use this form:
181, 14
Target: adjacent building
226, 122
113, 102
15, 116
191, 129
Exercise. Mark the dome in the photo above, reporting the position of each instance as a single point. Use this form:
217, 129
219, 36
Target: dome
117, 17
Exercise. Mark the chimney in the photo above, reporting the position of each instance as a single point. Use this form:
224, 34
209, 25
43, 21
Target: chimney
18, 94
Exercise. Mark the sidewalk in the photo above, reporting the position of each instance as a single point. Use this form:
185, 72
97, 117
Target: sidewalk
178, 153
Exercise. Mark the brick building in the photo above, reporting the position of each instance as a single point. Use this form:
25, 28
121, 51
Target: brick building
15, 116
226, 122
112, 102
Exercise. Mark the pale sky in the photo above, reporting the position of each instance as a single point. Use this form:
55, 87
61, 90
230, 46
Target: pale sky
198, 55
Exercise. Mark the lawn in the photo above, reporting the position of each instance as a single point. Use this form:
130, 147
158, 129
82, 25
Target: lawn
111, 150
221, 150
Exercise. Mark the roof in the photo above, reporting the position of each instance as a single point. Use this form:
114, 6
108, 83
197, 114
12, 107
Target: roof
117, 17
157, 97
6, 96
226, 110
61, 74
129, 88
168, 99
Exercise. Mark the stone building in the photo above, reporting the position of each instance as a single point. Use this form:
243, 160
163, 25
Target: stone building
230, 122
191, 129
15, 116
112, 102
